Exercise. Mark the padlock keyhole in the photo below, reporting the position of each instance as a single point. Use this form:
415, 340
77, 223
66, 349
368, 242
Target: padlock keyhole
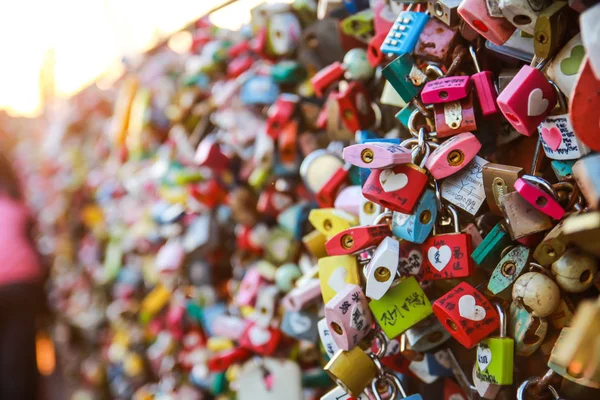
541, 201
425, 216
382, 274
585, 276
452, 325
443, 94
522, 19
439, 10
369, 207
456, 158
509, 268
327, 225
347, 241
336, 328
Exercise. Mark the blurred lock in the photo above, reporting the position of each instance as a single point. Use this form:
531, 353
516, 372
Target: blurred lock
466, 314
453, 155
249, 287
489, 251
381, 270
330, 221
445, 10
437, 41
510, 267
208, 154
401, 307
586, 174
584, 101
348, 316
329, 191
455, 117
498, 180
280, 113
523, 219
359, 25
283, 33
264, 309
475, 13
335, 273
355, 107
326, 77
417, 226
427, 334
301, 296
300, 325
263, 341
357, 239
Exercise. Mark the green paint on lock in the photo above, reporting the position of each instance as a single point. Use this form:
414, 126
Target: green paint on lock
401, 307
489, 251
404, 115
570, 65
508, 270
397, 73
562, 169
495, 361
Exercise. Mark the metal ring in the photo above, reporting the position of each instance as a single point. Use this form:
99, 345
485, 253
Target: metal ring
381, 216
380, 337
523, 387
438, 195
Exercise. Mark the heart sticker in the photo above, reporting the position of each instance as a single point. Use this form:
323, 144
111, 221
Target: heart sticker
484, 357
536, 104
258, 336
300, 323
390, 181
552, 137
570, 65
467, 308
439, 258
337, 279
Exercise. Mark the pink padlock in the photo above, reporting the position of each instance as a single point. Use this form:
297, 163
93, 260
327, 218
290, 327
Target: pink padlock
209, 155
528, 188
228, 326
349, 199
170, 257
527, 100
377, 155
475, 13
447, 89
348, 317
252, 282
453, 155
484, 87
300, 296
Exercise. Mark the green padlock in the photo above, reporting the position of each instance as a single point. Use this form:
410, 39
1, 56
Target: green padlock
405, 77
359, 25
288, 71
510, 267
404, 114
489, 251
495, 356
401, 307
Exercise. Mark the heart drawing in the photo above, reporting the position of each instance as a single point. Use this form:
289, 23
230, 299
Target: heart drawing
484, 357
570, 65
300, 323
467, 308
536, 104
439, 258
552, 137
391, 181
258, 336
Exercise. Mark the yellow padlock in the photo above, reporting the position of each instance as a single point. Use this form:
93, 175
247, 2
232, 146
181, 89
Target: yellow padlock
315, 243
331, 221
351, 370
335, 272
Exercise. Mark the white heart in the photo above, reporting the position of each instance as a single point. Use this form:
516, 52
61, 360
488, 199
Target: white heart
300, 323
537, 104
439, 258
467, 308
484, 357
281, 201
258, 336
337, 279
390, 181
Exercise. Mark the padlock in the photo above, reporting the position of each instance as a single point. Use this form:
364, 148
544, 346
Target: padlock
357, 239
259, 89
523, 219
465, 189
564, 67
550, 29
301, 325
510, 267
455, 117
558, 137
427, 334
445, 10
348, 199
575, 372
348, 317
286, 275
302, 295
355, 107
527, 100
326, 77
446, 255
263, 341
381, 270
326, 338
577, 349
411, 259
495, 355
357, 65
488, 253
486, 390
552, 247
530, 288
584, 100
574, 271
359, 26
425, 369
437, 40
272, 203
528, 331
288, 72
466, 314
417, 226
335, 273
585, 172
403, 35
579, 228
498, 180
453, 155
390, 388
563, 170
208, 154
329, 191
444, 90
401, 307
368, 211
265, 306
330, 221
314, 243
530, 188
484, 87
280, 246
475, 13
252, 282
401, 74
398, 188
377, 155
269, 379
283, 33
589, 29
522, 14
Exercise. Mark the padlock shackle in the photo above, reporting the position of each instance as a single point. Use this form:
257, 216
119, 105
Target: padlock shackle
502, 317
544, 184
560, 96
474, 57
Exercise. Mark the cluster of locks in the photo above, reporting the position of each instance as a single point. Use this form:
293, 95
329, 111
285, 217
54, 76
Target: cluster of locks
375, 196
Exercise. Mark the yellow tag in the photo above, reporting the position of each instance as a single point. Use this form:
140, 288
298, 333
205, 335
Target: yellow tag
155, 301
217, 344
315, 243
335, 272
331, 221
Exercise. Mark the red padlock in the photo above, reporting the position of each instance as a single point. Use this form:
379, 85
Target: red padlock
271, 202
210, 192
374, 54
466, 314
280, 113
263, 341
328, 192
357, 239
225, 359
355, 107
447, 255
288, 143
455, 117
326, 77
209, 155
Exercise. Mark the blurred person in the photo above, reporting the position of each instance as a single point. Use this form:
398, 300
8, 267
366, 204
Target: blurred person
21, 293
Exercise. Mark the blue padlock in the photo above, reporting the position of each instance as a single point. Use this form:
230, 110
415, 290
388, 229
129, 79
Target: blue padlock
259, 90
354, 6
436, 368
403, 36
416, 227
292, 218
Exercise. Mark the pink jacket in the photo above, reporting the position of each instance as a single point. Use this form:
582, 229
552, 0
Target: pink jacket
19, 260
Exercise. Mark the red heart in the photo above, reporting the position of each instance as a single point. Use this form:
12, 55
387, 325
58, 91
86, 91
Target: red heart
552, 137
